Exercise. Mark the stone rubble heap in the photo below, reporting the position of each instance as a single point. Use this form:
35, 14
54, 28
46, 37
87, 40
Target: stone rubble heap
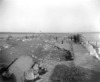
91, 49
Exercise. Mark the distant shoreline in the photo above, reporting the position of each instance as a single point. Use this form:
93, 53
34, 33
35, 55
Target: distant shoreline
47, 32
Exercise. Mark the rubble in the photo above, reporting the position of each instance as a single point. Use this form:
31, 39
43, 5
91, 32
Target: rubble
35, 72
46, 47
91, 50
6, 45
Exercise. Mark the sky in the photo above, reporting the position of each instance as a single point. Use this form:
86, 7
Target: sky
49, 15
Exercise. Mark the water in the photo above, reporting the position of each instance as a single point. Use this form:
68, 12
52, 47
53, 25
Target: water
92, 36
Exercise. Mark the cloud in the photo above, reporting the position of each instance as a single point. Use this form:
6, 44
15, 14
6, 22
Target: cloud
50, 15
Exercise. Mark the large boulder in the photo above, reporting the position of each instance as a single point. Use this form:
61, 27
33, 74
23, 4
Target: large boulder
21, 65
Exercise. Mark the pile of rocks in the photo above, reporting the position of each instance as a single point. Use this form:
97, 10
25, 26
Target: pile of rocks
34, 73
91, 49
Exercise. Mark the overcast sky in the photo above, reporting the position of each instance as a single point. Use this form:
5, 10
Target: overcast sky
50, 15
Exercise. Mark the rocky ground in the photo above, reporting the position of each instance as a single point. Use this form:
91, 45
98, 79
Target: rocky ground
52, 51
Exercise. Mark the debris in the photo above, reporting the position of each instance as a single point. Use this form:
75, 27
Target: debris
6, 45
30, 75
24, 40
91, 50
42, 71
35, 72
46, 47
66, 46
